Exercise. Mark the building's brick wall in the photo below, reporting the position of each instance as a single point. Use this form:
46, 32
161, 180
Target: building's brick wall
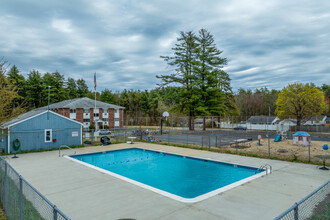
100, 113
66, 112
111, 117
80, 115
91, 111
121, 118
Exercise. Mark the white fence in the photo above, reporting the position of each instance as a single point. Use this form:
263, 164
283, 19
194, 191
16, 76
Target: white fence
249, 126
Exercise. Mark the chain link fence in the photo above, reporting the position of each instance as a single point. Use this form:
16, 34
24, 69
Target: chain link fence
315, 206
21, 200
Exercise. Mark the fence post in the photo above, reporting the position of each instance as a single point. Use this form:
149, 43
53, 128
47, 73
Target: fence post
20, 198
54, 212
168, 137
125, 135
202, 141
187, 139
268, 145
220, 142
6, 188
209, 142
309, 152
216, 141
296, 214
236, 145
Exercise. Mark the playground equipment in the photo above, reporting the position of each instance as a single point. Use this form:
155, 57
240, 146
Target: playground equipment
150, 137
278, 138
259, 139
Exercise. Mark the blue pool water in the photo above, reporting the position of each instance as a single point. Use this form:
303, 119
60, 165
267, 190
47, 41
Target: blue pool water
183, 176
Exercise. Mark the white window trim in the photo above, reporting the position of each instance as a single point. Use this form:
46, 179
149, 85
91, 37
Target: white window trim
51, 135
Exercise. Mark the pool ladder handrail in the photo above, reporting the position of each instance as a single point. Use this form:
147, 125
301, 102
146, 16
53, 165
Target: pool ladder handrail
267, 166
63, 146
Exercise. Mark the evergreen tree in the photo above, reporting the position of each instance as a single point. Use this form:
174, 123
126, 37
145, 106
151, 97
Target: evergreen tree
183, 61
145, 102
18, 81
57, 90
34, 89
82, 88
71, 88
107, 96
208, 72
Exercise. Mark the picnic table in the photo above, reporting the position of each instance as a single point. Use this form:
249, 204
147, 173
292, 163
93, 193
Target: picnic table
131, 140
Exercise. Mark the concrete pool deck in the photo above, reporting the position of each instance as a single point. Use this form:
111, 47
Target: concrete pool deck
84, 193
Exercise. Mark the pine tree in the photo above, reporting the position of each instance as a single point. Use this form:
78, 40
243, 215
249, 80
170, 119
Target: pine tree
107, 96
57, 91
17, 80
34, 89
213, 82
82, 88
71, 88
183, 61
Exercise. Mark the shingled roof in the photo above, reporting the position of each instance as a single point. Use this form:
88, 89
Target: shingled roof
84, 102
28, 115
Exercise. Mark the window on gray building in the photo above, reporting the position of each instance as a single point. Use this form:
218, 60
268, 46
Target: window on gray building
48, 135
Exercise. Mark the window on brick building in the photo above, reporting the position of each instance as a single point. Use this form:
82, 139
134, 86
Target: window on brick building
96, 114
116, 110
86, 111
105, 119
86, 120
72, 110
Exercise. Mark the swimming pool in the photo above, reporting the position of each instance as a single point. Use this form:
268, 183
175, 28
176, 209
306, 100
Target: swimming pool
183, 178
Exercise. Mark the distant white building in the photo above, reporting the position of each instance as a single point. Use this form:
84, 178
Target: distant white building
315, 120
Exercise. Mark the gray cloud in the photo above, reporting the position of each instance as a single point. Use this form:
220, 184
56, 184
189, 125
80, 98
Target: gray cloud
267, 43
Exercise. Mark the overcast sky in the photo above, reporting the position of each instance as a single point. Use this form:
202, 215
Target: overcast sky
267, 43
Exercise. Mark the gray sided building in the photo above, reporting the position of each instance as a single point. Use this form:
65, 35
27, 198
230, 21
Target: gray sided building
40, 129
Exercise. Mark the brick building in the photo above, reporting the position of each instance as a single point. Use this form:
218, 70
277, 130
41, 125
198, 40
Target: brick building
82, 110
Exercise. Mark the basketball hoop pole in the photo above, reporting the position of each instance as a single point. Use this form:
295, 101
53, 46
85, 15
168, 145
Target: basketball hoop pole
164, 115
161, 126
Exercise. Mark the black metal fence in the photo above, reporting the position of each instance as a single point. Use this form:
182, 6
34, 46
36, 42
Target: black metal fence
314, 206
21, 200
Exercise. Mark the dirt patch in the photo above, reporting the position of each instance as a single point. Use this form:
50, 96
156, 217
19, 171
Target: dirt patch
278, 149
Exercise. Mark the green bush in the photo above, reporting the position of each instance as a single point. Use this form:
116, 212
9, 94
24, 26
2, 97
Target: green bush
92, 127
